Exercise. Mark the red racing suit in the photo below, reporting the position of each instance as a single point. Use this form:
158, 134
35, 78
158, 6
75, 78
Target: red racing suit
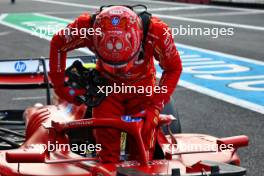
159, 45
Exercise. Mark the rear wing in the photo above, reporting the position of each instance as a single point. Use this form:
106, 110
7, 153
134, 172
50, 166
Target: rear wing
32, 73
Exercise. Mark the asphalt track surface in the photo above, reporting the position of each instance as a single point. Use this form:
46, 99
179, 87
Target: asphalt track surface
199, 113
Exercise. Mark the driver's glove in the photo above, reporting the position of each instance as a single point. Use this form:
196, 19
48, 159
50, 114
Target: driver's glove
65, 92
151, 116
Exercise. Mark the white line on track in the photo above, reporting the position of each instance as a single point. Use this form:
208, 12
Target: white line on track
190, 56
172, 8
199, 5
221, 14
159, 2
212, 77
253, 61
243, 26
223, 97
85, 50
20, 28
28, 98
175, 8
37, 35
195, 59
4, 33
218, 95
2, 16
49, 16
96, 7
203, 63
62, 12
68, 4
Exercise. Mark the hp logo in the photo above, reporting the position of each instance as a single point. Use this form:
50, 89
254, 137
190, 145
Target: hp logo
20, 66
115, 21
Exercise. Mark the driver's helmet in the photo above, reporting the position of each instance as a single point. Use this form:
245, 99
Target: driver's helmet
119, 44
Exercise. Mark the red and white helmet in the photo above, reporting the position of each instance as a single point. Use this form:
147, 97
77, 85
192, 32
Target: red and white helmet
119, 44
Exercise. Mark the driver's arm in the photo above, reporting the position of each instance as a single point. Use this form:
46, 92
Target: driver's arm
166, 54
66, 40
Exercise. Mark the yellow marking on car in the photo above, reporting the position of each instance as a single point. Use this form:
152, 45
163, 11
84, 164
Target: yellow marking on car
89, 65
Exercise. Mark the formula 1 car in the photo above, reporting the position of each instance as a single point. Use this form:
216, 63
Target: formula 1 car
26, 135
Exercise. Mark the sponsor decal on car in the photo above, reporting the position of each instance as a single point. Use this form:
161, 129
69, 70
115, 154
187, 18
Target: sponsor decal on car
128, 118
20, 66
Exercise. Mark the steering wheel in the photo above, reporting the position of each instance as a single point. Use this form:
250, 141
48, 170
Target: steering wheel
89, 79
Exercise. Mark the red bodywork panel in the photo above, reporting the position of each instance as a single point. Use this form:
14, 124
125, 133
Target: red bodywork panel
21, 79
48, 123
236, 141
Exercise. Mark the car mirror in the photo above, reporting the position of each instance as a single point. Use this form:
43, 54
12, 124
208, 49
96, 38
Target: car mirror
26, 155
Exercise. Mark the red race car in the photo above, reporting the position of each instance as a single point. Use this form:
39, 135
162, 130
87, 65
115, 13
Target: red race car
56, 139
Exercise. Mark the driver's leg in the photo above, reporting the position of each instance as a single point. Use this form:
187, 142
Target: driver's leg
111, 107
137, 103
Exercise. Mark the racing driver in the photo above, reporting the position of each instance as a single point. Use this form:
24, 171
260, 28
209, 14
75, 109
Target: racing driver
125, 56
